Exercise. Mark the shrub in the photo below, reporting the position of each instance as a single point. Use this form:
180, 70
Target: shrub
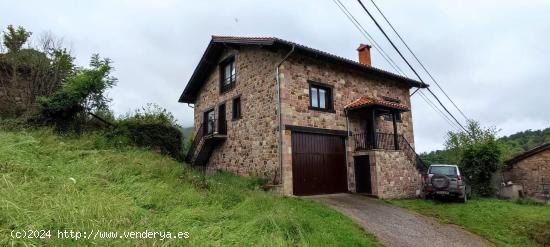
166, 139
82, 92
479, 162
152, 127
478, 154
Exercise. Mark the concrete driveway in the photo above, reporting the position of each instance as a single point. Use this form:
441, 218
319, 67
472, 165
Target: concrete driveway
398, 227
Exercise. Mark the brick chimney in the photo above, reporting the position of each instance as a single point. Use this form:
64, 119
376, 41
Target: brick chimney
364, 54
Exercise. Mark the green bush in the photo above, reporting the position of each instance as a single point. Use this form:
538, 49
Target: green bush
152, 127
83, 91
166, 139
479, 162
478, 153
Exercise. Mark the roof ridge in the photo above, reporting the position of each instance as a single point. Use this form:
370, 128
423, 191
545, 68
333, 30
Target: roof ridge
218, 41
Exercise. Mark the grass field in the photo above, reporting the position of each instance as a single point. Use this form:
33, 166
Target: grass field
505, 223
48, 182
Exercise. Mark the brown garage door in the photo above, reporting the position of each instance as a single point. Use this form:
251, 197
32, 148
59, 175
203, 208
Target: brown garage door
318, 164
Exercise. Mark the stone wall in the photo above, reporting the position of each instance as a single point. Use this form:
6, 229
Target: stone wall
348, 85
396, 176
251, 144
531, 172
15, 91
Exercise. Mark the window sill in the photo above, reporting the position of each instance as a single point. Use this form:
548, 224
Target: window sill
236, 119
225, 89
322, 110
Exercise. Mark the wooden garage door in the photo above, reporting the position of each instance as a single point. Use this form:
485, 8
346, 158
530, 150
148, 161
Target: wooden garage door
318, 164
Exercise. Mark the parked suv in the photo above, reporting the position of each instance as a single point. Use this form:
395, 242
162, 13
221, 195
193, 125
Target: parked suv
446, 181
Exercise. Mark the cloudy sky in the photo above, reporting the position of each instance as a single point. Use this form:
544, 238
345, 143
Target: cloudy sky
490, 56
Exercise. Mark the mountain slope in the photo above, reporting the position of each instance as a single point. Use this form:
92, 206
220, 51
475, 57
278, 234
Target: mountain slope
525, 140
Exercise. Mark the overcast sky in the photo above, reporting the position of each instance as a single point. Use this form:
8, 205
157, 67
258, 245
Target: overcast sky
490, 56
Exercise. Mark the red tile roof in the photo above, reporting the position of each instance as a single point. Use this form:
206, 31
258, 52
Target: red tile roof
366, 101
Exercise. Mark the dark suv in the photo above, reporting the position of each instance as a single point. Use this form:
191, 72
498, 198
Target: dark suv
446, 181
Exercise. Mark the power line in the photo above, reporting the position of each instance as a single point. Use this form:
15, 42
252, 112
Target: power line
369, 38
418, 60
441, 113
394, 65
410, 66
386, 57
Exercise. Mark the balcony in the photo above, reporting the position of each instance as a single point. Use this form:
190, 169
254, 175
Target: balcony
210, 133
365, 141
386, 141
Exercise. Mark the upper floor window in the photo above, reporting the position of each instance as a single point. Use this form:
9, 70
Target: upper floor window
388, 116
237, 108
320, 97
227, 74
208, 123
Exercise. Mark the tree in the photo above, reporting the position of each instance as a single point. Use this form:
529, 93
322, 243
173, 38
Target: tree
479, 162
36, 71
82, 92
456, 142
478, 153
15, 38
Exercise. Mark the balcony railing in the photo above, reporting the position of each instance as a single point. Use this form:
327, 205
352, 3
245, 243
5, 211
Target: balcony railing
206, 129
386, 141
363, 141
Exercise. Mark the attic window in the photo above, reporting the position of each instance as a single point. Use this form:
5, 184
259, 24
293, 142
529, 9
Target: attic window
227, 74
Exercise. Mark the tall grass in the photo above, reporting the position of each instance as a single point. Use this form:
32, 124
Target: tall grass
85, 183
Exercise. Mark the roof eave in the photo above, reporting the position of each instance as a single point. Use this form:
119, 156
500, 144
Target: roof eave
355, 64
185, 97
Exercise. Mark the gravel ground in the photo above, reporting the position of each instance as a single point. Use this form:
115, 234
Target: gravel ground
398, 227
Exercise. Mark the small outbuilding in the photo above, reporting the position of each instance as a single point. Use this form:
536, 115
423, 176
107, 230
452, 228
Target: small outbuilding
531, 169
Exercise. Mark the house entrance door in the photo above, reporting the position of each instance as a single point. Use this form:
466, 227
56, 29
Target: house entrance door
362, 174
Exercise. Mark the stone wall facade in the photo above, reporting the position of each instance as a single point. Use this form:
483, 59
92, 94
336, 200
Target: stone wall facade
347, 85
531, 172
396, 176
251, 145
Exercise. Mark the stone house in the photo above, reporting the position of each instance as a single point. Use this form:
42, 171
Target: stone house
531, 169
308, 121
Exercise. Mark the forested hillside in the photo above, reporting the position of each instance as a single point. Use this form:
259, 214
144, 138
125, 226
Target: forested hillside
187, 131
525, 140
514, 144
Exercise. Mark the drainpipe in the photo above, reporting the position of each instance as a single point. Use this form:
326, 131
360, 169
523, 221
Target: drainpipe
280, 115
348, 146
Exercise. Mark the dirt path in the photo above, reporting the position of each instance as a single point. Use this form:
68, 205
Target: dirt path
397, 227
